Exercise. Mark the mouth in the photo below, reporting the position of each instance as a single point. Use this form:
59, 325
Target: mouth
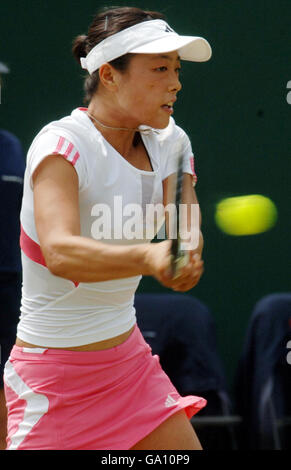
168, 108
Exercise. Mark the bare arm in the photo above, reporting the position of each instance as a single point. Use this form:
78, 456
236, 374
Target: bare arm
81, 259
70, 255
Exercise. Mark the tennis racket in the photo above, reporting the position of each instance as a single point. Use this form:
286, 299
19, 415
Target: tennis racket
178, 254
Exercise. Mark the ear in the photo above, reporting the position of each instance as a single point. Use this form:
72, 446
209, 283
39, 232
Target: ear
107, 76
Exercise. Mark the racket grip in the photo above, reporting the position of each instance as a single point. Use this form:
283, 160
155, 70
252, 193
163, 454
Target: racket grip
179, 262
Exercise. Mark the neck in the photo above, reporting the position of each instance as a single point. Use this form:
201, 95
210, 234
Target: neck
117, 131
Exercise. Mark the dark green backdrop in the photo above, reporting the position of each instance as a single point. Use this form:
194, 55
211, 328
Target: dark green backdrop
233, 107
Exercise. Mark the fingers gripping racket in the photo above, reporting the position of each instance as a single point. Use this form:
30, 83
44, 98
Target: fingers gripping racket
179, 255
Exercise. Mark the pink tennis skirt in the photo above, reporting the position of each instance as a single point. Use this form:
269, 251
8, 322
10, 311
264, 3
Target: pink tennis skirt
100, 400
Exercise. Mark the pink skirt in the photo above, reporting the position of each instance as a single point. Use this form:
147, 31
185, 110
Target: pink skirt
100, 400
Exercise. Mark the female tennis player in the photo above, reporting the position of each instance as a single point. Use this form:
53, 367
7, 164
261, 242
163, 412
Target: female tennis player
81, 375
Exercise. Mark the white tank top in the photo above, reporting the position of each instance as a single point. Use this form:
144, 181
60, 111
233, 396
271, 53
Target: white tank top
59, 313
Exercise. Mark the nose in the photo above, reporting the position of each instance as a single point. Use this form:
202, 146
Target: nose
175, 85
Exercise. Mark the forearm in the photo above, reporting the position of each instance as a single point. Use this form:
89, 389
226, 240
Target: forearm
199, 249
83, 259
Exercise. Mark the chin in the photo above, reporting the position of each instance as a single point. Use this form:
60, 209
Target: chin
162, 127
160, 124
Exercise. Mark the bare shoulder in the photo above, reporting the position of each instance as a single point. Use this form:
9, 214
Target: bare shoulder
54, 167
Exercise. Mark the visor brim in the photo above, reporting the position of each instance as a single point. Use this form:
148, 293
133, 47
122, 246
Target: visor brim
191, 48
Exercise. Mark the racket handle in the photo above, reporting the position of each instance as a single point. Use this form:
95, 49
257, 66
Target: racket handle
179, 262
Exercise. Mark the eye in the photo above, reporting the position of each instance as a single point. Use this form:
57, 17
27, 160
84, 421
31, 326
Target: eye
161, 69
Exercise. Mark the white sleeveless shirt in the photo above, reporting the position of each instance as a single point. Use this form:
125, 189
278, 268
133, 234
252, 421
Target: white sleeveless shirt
56, 312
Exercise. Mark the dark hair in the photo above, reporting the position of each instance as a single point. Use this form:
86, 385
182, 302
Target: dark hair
106, 23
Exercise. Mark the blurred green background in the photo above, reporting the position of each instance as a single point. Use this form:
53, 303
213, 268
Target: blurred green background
234, 109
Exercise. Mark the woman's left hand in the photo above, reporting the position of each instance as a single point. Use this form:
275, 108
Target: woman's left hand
190, 274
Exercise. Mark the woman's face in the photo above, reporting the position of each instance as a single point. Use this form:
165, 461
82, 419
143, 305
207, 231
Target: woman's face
147, 91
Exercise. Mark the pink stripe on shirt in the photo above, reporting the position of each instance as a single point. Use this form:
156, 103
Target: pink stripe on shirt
60, 145
32, 250
192, 165
69, 150
76, 156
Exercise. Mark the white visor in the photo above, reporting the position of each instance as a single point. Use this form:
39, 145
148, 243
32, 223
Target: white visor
148, 37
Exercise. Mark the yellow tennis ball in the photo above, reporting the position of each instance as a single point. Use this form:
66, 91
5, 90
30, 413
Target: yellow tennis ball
246, 215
